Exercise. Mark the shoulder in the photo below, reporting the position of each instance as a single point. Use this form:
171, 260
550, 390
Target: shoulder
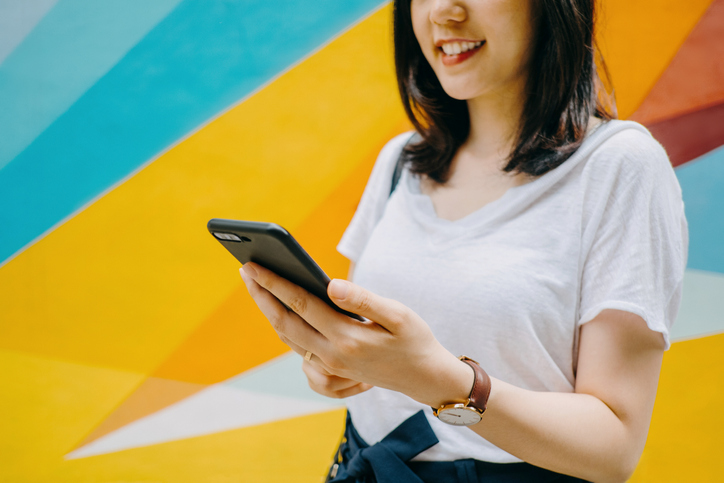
627, 149
374, 199
391, 151
625, 157
628, 167
381, 175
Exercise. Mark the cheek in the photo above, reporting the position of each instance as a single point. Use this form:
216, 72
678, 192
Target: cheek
422, 31
426, 49
510, 48
520, 23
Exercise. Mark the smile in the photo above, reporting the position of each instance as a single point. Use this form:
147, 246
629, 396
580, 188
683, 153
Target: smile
456, 52
454, 48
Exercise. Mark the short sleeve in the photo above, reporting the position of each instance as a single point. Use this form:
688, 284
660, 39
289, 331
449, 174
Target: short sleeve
635, 235
372, 205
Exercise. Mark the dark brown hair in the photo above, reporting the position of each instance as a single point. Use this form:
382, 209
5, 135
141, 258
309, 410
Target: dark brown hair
563, 92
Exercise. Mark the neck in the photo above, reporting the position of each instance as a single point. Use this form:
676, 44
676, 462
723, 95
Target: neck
494, 122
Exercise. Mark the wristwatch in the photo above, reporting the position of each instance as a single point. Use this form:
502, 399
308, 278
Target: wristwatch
470, 412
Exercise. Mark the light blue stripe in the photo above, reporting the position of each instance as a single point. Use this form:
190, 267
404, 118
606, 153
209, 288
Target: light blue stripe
702, 184
702, 307
202, 58
282, 377
72, 47
17, 19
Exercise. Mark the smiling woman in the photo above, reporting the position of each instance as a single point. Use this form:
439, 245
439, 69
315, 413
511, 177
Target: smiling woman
529, 231
534, 57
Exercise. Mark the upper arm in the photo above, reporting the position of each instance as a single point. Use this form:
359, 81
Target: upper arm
619, 363
634, 233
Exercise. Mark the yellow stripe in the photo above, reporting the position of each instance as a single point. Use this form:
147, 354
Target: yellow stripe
47, 407
685, 439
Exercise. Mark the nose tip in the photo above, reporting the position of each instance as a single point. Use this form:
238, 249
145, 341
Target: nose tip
447, 11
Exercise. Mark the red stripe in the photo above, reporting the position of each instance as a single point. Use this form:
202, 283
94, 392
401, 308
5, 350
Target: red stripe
691, 135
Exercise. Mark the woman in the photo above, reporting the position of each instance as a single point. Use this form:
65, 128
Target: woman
529, 231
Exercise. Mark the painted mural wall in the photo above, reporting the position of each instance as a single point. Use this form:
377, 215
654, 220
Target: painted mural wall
129, 350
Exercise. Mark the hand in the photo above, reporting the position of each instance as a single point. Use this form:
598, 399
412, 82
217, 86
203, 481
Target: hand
319, 378
393, 349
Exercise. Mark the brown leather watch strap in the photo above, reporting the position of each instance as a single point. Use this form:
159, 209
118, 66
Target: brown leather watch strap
481, 387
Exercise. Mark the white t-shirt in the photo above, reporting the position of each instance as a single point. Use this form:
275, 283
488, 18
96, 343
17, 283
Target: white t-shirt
510, 284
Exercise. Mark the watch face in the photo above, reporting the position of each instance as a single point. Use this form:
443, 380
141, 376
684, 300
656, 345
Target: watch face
459, 416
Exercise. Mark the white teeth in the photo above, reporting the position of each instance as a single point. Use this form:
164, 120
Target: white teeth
454, 48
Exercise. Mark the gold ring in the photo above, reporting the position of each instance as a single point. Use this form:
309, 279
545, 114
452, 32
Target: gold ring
308, 356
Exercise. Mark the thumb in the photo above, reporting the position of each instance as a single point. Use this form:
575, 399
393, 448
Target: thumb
386, 312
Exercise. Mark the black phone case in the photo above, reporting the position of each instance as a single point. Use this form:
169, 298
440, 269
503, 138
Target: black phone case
274, 248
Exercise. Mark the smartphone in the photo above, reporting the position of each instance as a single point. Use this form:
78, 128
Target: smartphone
272, 247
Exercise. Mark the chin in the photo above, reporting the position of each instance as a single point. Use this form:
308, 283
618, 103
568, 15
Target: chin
461, 93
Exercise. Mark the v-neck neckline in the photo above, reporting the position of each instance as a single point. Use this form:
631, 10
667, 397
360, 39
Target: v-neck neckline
513, 196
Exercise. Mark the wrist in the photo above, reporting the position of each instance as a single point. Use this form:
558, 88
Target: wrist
471, 411
453, 380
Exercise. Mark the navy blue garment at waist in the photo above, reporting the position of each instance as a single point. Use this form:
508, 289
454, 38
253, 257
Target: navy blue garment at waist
389, 461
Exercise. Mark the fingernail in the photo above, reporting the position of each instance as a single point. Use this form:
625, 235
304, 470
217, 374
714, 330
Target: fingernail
338, 289
249, 270
243, 275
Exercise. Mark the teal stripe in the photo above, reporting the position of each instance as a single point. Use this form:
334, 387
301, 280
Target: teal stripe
17, 20
202, 58
72, 47
702, 185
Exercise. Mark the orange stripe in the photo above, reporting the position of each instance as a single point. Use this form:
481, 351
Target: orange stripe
152, 395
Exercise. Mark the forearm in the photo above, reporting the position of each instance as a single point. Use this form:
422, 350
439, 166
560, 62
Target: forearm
575, 434
570, 433
597, 432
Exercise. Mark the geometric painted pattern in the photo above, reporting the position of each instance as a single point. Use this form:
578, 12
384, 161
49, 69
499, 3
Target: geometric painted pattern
129, 350
276, 390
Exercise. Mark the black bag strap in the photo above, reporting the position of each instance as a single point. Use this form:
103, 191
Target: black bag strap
400, 165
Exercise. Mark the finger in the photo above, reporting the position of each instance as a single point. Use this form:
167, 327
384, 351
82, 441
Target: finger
296, 348
341, 394
387, 313
310, 308
354, 390
288, 325
315, 362
332, 386
324, 379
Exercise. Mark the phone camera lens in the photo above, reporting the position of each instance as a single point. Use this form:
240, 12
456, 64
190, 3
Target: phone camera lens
229, 237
